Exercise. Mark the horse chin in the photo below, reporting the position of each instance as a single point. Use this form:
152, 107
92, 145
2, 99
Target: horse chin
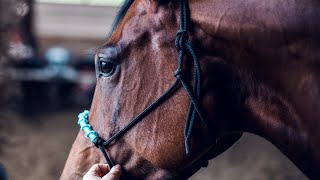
222, 145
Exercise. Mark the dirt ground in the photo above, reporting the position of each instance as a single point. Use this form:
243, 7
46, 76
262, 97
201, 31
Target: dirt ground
36, 148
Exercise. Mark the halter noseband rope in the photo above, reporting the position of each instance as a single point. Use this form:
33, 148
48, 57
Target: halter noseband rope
183, 45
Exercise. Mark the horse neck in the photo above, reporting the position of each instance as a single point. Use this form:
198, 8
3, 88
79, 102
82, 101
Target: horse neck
273, 117
282, 98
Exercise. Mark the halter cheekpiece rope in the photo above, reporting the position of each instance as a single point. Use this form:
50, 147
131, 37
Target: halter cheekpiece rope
183, 45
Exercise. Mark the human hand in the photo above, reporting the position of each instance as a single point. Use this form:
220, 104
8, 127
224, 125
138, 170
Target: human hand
103, 172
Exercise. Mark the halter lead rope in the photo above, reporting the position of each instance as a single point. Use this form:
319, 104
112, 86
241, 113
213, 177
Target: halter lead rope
183, 45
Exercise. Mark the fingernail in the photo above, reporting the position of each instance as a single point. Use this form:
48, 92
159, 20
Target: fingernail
116, 168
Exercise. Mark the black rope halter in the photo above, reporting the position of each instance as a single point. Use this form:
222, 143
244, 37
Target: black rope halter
183, 46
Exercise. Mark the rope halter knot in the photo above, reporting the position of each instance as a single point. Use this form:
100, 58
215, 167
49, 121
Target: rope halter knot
182, 38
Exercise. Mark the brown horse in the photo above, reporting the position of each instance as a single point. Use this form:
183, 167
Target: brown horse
260, 64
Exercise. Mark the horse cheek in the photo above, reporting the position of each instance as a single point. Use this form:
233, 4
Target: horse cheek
164, 150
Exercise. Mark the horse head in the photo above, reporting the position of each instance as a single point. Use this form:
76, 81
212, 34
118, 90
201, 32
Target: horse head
136, 66
139, 63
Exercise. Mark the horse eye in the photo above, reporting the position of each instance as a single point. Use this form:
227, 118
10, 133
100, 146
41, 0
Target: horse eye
107, 68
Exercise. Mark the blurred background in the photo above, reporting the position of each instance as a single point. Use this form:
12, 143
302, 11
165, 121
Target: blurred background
47, 77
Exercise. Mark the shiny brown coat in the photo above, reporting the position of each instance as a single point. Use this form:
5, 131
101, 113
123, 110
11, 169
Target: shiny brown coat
260, 62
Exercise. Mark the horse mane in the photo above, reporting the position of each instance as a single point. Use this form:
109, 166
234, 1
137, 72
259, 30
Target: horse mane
121, 13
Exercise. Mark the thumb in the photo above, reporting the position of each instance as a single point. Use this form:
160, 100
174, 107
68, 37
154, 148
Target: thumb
114, 173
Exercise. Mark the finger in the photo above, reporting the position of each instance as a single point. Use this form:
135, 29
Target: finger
114, 173
103, 169
91, 174
98, 170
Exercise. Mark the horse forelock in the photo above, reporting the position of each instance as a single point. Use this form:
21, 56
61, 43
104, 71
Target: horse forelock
123, 10
120, 15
